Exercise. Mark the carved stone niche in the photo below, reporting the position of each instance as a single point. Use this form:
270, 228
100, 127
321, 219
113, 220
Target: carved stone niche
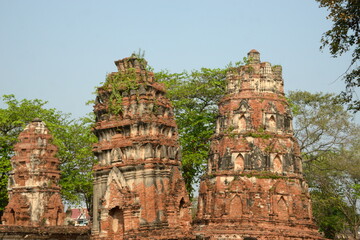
241, 121
257, 160
161, 152
129, 152
172, 152
289, 162
213, 162
277, 164
166, 131
116, 155
239, 161
235, 208
280, 122
148, 151
225, 162
164, 152
270, 117
288, 122
270, 122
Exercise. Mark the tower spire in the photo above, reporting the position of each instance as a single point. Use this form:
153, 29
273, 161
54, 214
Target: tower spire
34, 193
139, 192
254, 187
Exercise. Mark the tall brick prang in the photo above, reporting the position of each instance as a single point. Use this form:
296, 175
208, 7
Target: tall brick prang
254, 188
34, 193
139, 192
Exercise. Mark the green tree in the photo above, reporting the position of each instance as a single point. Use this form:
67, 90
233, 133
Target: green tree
12, 121
75, 142
194, 97
73, 137
329, 142
335, 184
343, 37
321, 123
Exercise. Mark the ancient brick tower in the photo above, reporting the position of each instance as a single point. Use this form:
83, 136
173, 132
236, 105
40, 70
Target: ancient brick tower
254, 188
34, 194
138, 189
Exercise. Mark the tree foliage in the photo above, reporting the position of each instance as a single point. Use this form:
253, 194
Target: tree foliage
335, 184
194, 97
321, 123
12, 121
75, 142
329, 141
343, 37
73, 138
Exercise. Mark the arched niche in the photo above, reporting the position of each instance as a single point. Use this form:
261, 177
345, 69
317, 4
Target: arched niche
239, 163
116, 155
116, 221
58, 220
242, 123
148, 151
235, 208
272, 123
282, 209
158, 151
244, 106
12, 220
182, 208
277, 164
163, 152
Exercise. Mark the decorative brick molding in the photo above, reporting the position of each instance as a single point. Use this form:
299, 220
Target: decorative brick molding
139, 192
34, 193
254, 187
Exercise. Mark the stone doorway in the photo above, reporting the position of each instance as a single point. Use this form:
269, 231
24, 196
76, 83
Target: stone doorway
116, 223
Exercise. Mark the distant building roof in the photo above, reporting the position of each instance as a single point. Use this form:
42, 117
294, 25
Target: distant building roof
77, 213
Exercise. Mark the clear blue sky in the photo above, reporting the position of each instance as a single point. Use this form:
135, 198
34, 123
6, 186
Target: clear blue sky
59, 51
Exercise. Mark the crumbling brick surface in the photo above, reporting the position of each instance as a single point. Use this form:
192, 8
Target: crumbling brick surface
139, 192
254, 187
34, 198
44, 232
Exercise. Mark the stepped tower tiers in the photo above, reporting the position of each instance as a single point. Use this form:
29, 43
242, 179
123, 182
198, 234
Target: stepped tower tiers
139, 192
34, 194
254, 188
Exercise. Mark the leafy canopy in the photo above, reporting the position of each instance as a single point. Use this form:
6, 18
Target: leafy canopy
73, 138
195, 96
330, 145
12, 121
344, 37
321, 123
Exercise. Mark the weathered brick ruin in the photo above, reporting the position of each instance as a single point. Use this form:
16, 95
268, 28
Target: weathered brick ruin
139, 192
35, 209
34, 194
254, 188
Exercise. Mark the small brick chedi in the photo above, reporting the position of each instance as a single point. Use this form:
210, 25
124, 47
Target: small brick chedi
139, 192
34, 194
254, 187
